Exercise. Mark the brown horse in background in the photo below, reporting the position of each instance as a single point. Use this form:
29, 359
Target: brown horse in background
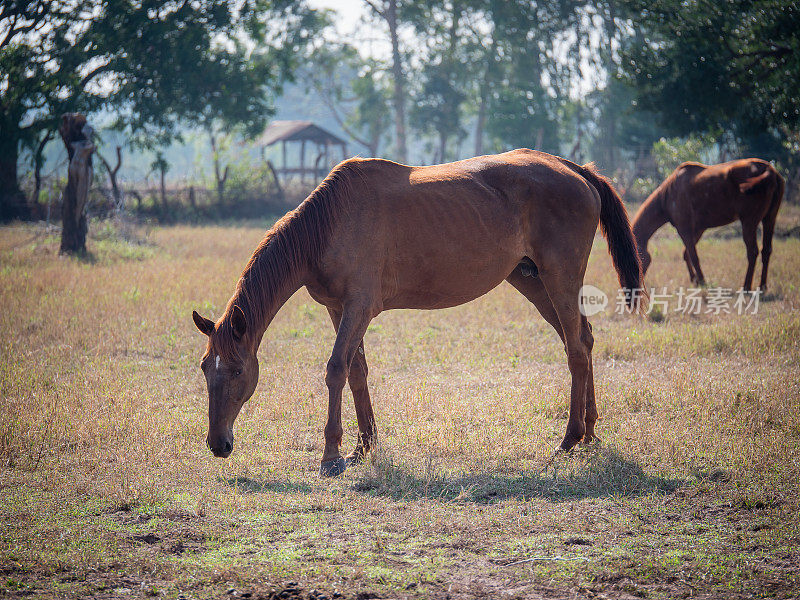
377, 235
696, 197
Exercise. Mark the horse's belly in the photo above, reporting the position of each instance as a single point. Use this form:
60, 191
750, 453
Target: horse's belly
442, 285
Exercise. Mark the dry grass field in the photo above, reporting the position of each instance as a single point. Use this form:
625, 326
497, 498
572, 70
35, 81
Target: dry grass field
108, 491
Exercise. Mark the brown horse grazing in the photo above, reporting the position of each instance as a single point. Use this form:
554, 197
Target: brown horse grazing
697, 197
377, 235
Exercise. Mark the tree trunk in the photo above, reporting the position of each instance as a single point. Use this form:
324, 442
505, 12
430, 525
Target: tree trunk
13, 204
399, 83
37, 170
574, 154
485, 90
164, 193
221, 178
638, 164
76, 133
479, 125
112, 178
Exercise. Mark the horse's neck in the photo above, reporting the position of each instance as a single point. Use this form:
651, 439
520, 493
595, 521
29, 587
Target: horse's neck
286, 292
262, 305
286, 255
649, 219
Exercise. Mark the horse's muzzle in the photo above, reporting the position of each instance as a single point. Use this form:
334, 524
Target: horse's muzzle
221, 447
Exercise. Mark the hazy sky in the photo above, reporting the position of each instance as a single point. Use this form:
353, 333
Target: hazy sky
355, 25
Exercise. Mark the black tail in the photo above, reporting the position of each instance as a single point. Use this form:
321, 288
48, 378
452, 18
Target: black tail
777, 196
616, 228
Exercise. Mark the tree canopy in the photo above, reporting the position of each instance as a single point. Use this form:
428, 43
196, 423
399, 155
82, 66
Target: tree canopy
714, 66
154, 63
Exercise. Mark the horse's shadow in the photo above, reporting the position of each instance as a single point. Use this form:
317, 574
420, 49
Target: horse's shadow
247, 485
597, 473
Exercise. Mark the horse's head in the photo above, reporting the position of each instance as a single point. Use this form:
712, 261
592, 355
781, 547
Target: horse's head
231, 371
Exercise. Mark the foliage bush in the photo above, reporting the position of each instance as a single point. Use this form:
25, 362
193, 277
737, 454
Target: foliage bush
670, 152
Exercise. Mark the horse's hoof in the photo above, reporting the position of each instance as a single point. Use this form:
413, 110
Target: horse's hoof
591, 440
567, 444
356, 458
333, 467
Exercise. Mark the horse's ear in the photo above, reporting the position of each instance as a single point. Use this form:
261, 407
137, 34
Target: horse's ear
204, 325
238, 323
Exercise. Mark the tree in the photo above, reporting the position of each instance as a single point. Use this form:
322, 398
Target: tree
497, 61
624, 133
388, 12
220, 174
38, 161
116, 192
444, 73
355, 90
708, 66
528, 80
156, 63
437, 107
725, 69
161, 166
371, 107
77, 135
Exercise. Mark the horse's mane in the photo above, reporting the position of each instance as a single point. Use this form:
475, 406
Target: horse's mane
669, 186
295, 242
652, 208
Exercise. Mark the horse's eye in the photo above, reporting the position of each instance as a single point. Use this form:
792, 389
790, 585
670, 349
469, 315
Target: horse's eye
237, 373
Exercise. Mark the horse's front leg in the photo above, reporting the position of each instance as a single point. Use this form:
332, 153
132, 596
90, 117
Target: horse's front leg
690, 256
353, 325
689, 266
357, 378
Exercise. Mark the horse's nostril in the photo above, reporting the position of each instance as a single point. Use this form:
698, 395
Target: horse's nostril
228, 447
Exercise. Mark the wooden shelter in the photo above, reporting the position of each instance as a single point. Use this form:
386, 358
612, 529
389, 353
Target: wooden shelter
306, 133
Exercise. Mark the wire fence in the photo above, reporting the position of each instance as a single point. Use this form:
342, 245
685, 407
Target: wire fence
172, 203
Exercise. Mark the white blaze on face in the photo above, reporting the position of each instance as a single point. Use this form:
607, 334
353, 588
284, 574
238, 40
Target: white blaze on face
216, 361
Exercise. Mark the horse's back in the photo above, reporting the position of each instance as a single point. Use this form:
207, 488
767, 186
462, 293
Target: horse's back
719, 193
514, 182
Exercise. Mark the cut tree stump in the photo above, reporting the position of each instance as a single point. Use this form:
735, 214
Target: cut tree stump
77, 136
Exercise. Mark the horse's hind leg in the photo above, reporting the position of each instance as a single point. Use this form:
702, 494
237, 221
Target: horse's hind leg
750, 235
591, 405
768, 224
357, 378
583, 411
